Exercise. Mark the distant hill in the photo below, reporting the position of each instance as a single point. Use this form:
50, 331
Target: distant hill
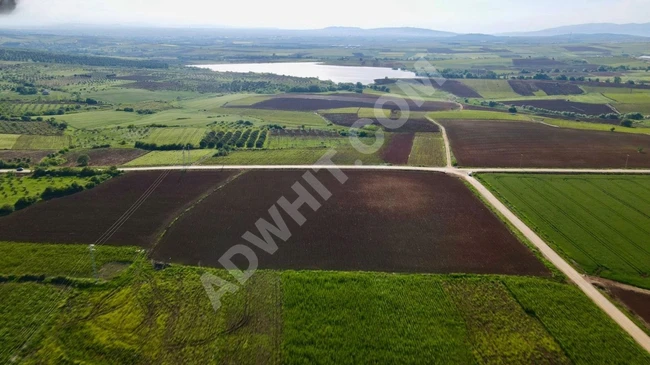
642, 30
384, 32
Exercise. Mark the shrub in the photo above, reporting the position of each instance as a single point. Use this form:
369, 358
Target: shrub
6, 209
24, 202
627, 123
83, 160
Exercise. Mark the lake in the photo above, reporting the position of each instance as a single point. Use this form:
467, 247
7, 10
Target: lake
365, 75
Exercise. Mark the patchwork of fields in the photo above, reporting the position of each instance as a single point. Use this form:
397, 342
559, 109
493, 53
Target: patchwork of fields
302, 317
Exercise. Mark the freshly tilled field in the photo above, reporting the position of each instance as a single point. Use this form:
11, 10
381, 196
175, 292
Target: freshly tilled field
480, 143
376, 221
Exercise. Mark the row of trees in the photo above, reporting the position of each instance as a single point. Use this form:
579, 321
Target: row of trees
49, 57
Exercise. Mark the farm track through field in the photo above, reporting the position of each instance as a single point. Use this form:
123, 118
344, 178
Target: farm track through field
585, 286
197, 202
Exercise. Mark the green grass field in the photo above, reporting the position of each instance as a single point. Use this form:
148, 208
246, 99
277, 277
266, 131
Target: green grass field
335, 318
428, 150
144, 316
163, 136
100, 119
477, 115
346, 155
600, 223
13, 188
287, 119
277, 141
161, 158
491, 89
30, 142
7, 141
59, 260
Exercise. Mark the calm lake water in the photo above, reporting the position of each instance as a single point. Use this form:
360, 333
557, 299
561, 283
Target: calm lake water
365, 75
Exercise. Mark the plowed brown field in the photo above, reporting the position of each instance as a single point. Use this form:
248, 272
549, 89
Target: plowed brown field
515, 144
376, 221
84, 217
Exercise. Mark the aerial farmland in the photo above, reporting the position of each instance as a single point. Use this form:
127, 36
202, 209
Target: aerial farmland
327, 196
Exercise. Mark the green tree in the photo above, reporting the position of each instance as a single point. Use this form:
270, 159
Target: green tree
617, 80
83, 160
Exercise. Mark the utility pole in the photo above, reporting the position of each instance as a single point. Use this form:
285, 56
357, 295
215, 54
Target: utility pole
521, 161
92, 259
627, 160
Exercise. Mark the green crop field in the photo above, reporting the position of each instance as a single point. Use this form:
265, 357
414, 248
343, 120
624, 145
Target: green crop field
491, 89
21, 259
142, 316
100, 119
338, 318
345, 155
287, 119
631, 102
32, 142
600, 223
7, 141
278, 141
163, 136
160, 158
477, 115
428, 150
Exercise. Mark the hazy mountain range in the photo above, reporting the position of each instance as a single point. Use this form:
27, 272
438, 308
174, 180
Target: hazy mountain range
584, 32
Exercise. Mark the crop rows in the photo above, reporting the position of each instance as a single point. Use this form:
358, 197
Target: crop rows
38, 128
34, 108
248, 138
600, 223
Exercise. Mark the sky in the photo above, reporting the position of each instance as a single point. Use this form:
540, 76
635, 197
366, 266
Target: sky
463, 16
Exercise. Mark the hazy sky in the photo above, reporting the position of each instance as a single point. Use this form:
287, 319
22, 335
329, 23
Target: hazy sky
486, 16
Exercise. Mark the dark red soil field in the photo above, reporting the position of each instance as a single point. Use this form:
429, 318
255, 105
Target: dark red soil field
376, 221
559, 88
459, 89
411, 126
105, 156
313, 102
502, 144
565, 106
522, 87
528, 87
85, 216
398, 149
639, 303
35, 156
451, 86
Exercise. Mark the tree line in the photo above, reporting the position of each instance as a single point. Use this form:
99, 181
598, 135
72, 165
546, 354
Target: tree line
48, 57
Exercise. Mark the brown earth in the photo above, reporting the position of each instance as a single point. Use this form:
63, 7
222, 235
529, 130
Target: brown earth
105, 156
522, 87
85, 216
313, 102
637, 302
528, 87
376, 221
35, 156
398, 149
565, 106
502, 144
411, 126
